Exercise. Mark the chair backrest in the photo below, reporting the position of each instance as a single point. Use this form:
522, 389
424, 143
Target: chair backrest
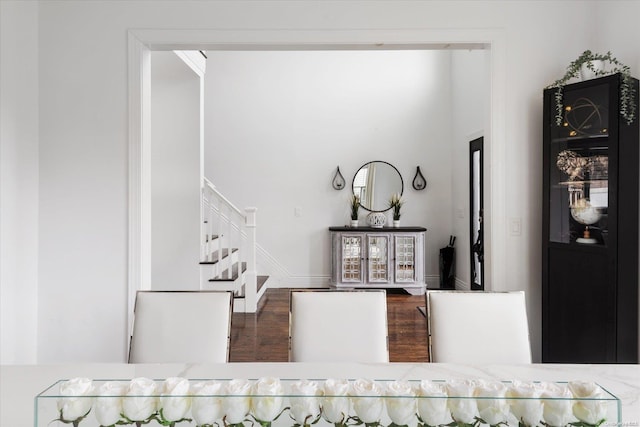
478, 327
181, 326
338, 326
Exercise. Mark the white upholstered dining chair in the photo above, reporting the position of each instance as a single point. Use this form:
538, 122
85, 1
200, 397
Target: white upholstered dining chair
181, 326
478, 327
338, 326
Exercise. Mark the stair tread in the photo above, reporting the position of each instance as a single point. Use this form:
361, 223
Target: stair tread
234, 274
213, 257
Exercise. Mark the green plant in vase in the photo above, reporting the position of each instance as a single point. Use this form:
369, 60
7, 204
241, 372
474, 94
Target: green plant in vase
354, 204
589, 60
395, 203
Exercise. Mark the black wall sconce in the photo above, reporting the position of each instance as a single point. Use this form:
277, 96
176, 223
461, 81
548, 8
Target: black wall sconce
419, 183
338, 182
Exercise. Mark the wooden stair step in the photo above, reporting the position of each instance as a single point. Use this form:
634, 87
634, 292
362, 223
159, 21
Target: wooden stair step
234, 273
213, 258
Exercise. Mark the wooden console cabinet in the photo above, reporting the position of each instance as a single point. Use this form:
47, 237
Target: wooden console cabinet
367, 257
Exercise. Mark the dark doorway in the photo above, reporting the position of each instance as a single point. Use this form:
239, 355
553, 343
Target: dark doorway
476, 213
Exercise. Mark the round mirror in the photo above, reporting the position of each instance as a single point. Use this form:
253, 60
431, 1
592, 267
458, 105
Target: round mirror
375, 183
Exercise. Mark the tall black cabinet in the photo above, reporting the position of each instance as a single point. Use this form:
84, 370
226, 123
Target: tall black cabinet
590, 226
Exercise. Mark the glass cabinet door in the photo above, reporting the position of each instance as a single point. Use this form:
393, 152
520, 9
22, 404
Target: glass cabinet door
405, 261
351, 259
579, 168
378, 258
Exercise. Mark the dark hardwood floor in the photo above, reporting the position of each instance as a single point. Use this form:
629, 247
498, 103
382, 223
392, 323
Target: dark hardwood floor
263, 336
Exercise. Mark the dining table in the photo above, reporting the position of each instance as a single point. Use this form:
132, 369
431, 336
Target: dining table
20, 384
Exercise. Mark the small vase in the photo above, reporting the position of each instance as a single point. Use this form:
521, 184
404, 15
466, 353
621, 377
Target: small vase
396, 223
376, 219
354, 223
587, 74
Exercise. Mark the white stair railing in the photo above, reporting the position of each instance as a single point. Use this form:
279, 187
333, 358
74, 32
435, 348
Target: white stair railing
234, 228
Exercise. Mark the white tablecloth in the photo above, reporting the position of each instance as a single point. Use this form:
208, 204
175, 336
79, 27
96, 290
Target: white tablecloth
21, 383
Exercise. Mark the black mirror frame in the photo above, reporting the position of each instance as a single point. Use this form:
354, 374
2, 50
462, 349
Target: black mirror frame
377, 161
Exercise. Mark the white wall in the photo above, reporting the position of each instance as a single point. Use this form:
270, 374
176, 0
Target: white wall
175, 174
19, 178
83, 135
469, 112
278, 123
83, 182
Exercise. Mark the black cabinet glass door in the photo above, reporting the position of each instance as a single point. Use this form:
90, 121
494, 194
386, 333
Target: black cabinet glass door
590, 226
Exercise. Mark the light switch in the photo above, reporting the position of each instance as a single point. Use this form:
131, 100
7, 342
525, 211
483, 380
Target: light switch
297, 211
515, 226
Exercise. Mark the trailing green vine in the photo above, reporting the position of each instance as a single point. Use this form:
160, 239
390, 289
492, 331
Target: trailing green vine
627, 90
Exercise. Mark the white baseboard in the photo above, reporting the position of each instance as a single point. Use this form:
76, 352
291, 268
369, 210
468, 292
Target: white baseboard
432, 281
269, 266
461, 285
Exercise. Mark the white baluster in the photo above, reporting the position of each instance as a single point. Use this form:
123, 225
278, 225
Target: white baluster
251, 282
233, 228
229, 234
220, 235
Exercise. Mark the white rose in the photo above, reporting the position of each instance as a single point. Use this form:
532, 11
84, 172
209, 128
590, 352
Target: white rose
74, 403
206, 402
401, 402
525, 404
588, 411
174, 399
432, 403
267, 399
492, 405
463, 406
366, 401
335, 403
237, 403
140, 400
305, 402
108, 406
556, 404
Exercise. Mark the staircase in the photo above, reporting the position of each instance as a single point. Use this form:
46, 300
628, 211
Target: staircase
228, 250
